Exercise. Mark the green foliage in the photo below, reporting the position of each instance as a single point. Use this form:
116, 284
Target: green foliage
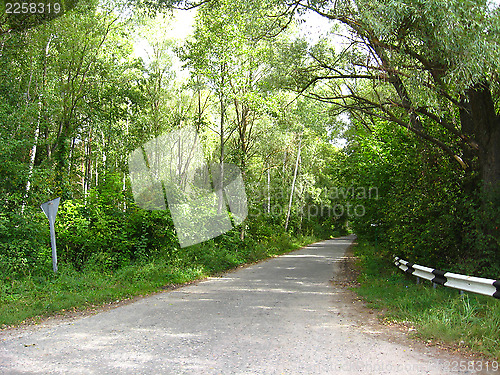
424, 212
482, 234
101, 236
23, 249
451, 34
428, 69
86, 100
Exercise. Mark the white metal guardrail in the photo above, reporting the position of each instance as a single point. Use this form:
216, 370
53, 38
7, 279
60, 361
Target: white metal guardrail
487, 287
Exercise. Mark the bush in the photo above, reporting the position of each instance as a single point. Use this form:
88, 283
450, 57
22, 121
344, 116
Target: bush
24, 244
104, 236
426, 212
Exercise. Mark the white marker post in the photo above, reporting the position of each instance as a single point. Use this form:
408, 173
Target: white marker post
50, 210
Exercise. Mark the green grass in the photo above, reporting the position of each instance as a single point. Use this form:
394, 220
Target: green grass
31, 299
440, 314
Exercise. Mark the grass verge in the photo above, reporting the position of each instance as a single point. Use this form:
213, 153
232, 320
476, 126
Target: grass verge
438, 314
31, 299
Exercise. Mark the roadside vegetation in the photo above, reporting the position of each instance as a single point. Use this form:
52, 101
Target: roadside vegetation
386, 123
34, 297
465, 321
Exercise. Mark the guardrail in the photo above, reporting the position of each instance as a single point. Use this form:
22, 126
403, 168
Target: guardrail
487, 287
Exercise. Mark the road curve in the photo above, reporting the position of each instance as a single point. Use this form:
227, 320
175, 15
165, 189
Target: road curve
280, 316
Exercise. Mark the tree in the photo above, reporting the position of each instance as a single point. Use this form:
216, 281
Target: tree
429, 67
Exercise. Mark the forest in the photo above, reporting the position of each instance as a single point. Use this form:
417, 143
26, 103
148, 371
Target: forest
379, 118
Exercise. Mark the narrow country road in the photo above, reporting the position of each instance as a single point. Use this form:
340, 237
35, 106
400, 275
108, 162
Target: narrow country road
281, 316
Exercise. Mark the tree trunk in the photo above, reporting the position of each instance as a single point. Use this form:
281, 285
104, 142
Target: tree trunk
285, 154
220, 191
32, 155
293, 186
486, 129
37, 130
71, 153
87, 165
268, 189
471, 181
484, 124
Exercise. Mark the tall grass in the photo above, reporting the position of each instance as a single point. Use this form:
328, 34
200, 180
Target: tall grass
440, 314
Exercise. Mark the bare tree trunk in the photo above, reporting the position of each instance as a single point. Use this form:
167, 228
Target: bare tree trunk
284, 164
268, 189
479, 120
124, 189
37, 130
71, 150
87, 165
293, 184
48, 146
198, 125
220, 191
487, 133
96, 170
32, 156
83, 167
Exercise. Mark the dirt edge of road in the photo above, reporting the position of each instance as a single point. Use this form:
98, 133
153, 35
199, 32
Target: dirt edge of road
373, 321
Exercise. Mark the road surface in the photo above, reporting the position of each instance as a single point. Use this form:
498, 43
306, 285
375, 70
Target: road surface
280, 316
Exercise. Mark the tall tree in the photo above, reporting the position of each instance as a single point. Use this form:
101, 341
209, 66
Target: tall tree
429, 66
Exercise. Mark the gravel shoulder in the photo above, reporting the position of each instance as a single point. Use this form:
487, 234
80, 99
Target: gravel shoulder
372, 320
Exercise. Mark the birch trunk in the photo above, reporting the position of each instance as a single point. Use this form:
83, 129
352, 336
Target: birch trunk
268, 190
293, 185
37, 130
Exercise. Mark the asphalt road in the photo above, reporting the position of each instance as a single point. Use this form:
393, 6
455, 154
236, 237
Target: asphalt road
281, 316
